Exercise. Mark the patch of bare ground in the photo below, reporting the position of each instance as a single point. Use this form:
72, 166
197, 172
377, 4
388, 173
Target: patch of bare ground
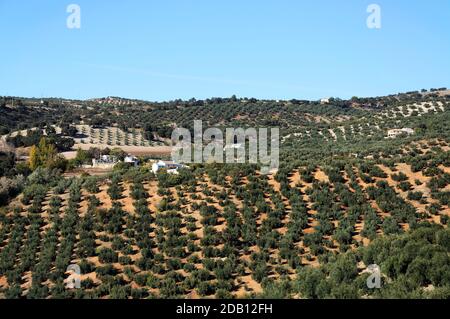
321, 176
247, 286
3, 282
126, 200
89, 171
294, 178
274, 184
84, 203
154, 199
103, 197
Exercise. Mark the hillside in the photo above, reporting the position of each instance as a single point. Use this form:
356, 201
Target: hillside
344, 193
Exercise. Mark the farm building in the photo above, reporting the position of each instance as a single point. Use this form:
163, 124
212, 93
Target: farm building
133, 160
172, 167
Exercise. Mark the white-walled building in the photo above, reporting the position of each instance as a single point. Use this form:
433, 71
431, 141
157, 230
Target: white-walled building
172, 167
130, 159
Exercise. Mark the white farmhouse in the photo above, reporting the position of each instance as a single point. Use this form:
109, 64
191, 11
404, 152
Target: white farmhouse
133, 160
172, 167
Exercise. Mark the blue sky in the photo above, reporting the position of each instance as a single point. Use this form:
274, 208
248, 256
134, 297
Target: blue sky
163, 50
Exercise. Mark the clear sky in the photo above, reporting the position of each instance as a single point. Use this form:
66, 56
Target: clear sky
168, 49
